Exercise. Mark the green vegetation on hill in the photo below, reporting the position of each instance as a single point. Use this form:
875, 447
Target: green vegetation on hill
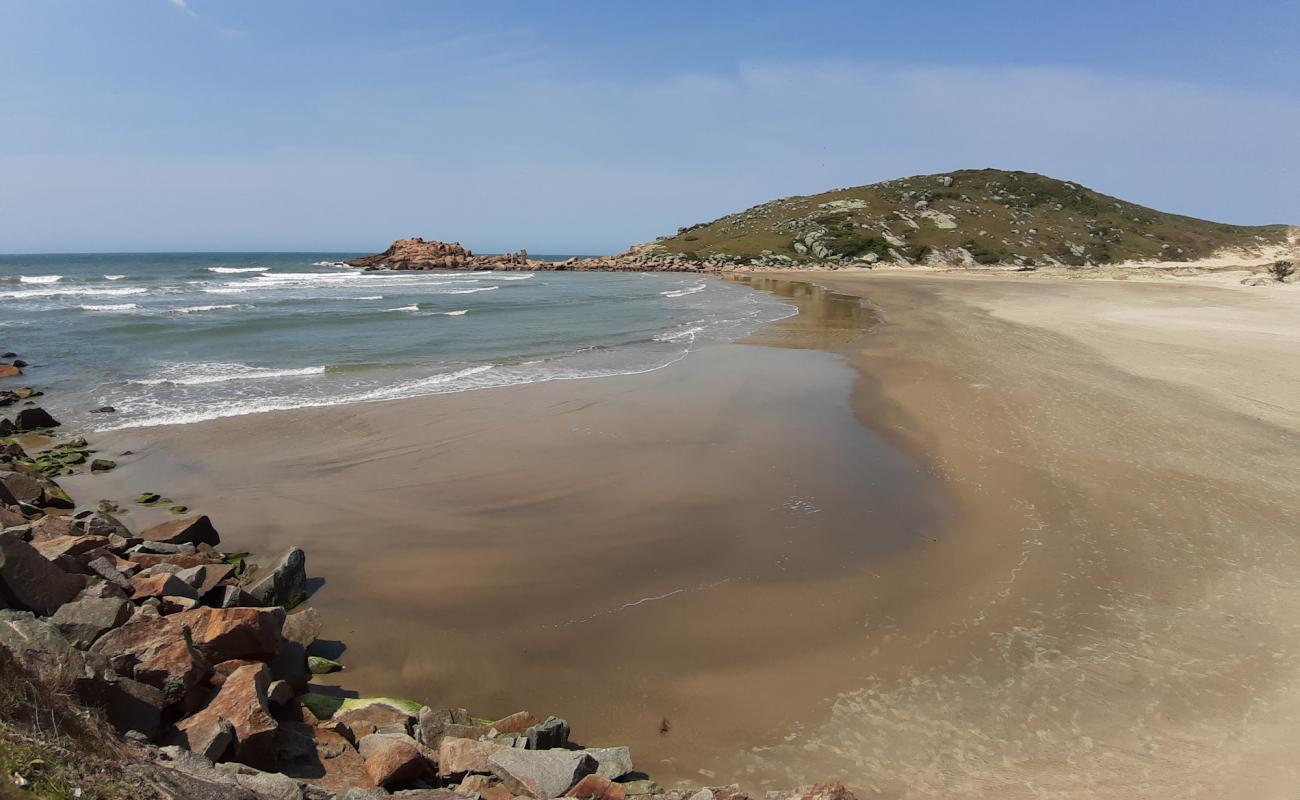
985, 216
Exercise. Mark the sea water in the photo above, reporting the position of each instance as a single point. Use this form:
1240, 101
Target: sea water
168, 338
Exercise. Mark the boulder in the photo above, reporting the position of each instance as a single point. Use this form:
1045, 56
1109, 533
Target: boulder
226, 633
611, 762
53, 496
319, 665
205, 577
85, 620
101, 524
40, 646
99, 589
10, 516
10, 371
518, 722
129, 705
179, 560
373, 718
53, 526
110, 568
243, 703
828, 790
182, 774
34, 419
393, 760
548, 735
172, 604
162, 548
597, 787
335, 765
433, 724
157, 651
485, 786
193, 529
269, 785
222, 669
290, 665
451, 794
158, 584
302, 626
230, 597
29, 581
541, 774
19, 487
280, 693
283, 583
461, 756
57, 546
210, 738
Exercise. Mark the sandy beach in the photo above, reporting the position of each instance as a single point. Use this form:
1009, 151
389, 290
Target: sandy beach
975, 536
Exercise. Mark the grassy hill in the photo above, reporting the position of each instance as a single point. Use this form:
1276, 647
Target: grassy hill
984, 216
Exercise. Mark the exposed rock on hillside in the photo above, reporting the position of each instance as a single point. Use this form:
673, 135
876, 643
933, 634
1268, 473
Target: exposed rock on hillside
963, 218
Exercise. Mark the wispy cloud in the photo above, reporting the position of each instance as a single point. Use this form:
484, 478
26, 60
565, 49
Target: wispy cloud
184, 6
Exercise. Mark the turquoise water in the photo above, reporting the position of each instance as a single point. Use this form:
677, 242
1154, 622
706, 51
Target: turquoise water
177, 338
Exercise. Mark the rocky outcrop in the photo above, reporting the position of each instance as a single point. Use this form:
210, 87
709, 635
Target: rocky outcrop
543, 774
416, 253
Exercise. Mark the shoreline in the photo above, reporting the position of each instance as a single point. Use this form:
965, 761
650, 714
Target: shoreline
705, 383
1101, 610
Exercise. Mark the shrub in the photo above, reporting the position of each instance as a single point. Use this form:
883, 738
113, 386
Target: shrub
1281, 270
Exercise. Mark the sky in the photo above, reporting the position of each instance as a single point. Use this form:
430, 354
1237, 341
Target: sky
583, 127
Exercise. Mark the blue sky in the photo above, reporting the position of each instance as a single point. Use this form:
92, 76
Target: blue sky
586, 126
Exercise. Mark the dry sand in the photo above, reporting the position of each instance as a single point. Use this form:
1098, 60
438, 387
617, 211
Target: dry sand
1040, 542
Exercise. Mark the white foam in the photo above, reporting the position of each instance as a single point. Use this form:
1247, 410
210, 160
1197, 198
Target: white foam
307, 277
469, 291
410, 308
214, 372
111, 308
39, 278
70, 292
236, 270
684, 292
686, 333
114, 277
330, 264
512, 277
460, 313
484, 376
200, 309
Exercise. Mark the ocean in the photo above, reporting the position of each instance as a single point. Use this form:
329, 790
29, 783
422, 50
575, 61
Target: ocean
170, 338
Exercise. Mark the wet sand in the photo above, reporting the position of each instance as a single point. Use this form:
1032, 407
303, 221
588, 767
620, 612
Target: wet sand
681, 545
1024, 538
